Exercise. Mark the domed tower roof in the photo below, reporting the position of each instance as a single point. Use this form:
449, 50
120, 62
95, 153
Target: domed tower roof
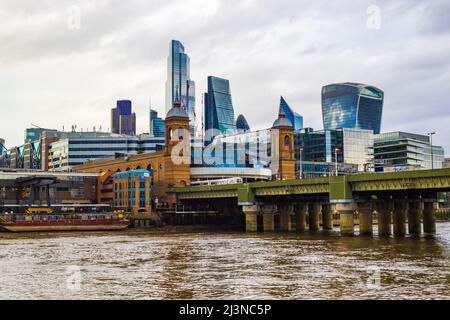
282, 121
176, 110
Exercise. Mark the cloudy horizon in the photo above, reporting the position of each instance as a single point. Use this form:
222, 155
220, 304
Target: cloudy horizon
58, 71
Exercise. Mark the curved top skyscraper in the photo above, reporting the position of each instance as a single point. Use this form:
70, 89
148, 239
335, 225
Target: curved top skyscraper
352, 105
178, 78
241, 123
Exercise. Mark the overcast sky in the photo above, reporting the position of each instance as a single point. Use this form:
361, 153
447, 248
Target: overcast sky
57, 70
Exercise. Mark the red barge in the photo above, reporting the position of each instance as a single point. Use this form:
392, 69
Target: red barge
44, 220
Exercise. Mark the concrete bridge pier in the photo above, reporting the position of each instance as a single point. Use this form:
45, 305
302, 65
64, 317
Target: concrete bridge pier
268, 213
414, 218
314, 210
384, 210
300, 211
429, 217
365, 211
251, 217
285, 211
346, 218
327, 216
399, 217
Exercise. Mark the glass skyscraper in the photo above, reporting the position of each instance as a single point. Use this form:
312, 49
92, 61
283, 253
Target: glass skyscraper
123, 120
156, 124
219, 112
242, 124
178, 77
352, 105
294, 117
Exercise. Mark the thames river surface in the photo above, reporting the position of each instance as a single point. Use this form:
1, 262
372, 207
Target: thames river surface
223, 265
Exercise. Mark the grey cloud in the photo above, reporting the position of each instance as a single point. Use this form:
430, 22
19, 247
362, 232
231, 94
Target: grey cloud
266, 48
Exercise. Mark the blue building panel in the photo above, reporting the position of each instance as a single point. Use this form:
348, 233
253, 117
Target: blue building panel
352, 105
295, 118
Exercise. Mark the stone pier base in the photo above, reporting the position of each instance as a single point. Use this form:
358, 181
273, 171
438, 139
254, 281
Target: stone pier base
251, 217
314, 210
327, 216
414, 218
399, 218
300, 211
429, 217
346, 218
285, 217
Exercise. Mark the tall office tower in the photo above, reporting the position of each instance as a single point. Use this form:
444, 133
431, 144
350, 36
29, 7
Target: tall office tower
295, 118
178, 79
2, 146
3, 155
156, 124
219, 113
242, 124
123, 120
153, 114
352, 105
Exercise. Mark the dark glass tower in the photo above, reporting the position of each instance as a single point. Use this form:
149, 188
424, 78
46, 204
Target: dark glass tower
156, 124
123, 120
352, 105
242, 124
178, 78
294, 117
219, 113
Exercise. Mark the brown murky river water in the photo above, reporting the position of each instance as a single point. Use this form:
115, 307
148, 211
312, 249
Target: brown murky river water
223, 265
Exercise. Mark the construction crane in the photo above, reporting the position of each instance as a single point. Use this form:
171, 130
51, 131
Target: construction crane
33, 125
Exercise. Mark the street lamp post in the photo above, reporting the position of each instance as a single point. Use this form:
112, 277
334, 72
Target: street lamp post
431, 134
336, 160
300, 169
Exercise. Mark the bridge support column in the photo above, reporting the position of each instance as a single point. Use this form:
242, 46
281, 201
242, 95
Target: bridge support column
251, 217
314, 210
384, 210
327, 216
365, 211
346, 218
268, 213
414, 213
429, 217
285, 217
399, 217
47, 195
300, 211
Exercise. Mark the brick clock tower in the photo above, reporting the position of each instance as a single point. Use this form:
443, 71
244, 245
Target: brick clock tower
285, 143
177, 169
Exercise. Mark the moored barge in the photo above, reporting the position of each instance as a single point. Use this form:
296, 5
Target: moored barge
49, 221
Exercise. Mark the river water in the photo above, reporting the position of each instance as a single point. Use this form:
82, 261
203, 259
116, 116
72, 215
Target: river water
223, 265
